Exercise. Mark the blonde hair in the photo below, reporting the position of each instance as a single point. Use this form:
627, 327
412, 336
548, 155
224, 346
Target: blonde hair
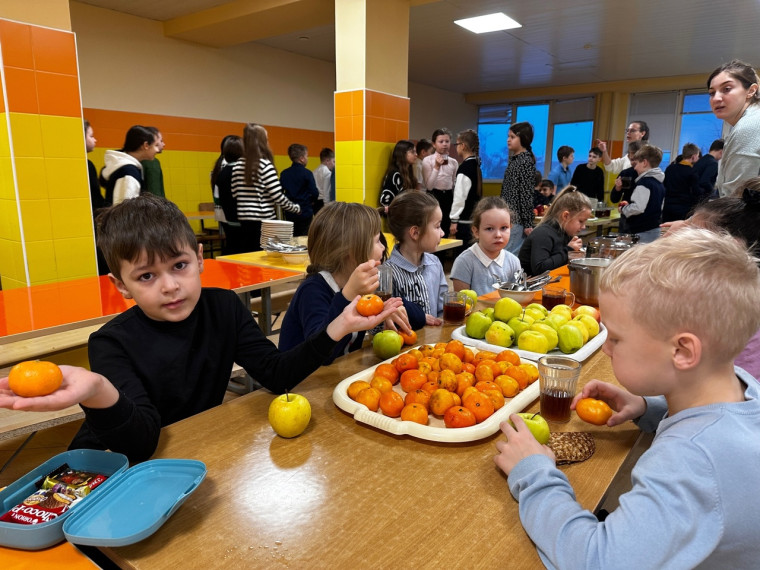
569, 200
341, 236
697, 281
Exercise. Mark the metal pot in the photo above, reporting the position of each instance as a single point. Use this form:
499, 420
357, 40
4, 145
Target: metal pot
608, 247
584, 278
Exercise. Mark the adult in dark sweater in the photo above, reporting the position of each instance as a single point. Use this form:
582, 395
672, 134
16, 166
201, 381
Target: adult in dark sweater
300, 187
589, 178
682, 190
171, 356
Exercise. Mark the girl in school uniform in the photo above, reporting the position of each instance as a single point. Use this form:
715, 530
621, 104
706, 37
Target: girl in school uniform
440, 172
486, 262
345, 247
468, 187
547, 246
519, 182
399, 175
414, 219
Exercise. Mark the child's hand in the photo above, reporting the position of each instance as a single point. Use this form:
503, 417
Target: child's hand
576, 243
673, 227
622, 204
618, 183
399, 320
350, 320
430, 320
519, 445
627, 406
79, 386
363, 280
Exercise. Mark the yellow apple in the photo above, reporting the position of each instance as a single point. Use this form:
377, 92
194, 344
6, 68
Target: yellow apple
500, 334
289, 414
533, 341
590, 322
588, 310
548, 331
581, 327
562, 310
570, 338
506, 308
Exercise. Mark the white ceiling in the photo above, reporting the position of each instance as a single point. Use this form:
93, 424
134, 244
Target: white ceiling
561, 42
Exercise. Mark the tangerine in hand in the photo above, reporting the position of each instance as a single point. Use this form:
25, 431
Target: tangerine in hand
593, 411
369, 305
34, 378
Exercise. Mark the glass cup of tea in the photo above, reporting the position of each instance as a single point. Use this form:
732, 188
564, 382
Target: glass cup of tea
385, 277
558, 381
456, 306
551, 296
625, 182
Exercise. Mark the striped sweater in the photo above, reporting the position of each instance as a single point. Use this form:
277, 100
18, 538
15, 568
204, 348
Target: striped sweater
257, 202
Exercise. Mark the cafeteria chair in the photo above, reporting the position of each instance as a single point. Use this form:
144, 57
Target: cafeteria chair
212, 238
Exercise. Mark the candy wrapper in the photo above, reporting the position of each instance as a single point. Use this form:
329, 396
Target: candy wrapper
58, 492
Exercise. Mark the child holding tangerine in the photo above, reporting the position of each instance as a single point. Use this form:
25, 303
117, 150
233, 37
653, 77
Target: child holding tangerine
345, 248
170, 357
689, 505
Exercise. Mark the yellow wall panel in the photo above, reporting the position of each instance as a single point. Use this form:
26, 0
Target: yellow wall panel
31, 179
40, 257
7, 188
75, 258
71, 218
5, 149
67, 178
26, 135
37, 221
12, 262
9, 226
62, 137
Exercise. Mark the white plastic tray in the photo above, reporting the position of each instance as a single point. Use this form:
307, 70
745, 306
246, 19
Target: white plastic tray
580, 355
435, 430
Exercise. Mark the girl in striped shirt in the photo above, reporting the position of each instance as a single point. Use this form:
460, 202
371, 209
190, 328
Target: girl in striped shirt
256, 187
414, 219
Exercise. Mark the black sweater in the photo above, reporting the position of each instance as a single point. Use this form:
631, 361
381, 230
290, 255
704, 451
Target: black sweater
544, 249
590, 181
166, 371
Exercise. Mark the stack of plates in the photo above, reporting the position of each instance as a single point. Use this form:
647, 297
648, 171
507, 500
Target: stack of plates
281, 229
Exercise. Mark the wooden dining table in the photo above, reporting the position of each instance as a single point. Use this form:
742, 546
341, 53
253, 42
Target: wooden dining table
344, 495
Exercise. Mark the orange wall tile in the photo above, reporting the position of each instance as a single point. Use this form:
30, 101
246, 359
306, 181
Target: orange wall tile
21, 88
54, 51
16, 42
58, 94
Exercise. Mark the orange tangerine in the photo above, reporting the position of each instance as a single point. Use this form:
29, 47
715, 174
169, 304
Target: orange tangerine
370, 397
412, 380
440, 401
457, 399
468, 367
458, 417
531, 370
440, 345
355, 387
426, 350
406, 361
382, 384
415, 413
464, 380
484, 355
509, 386
433, 375
438, 351
416, 353
450, 361
496, 397
480, 405
430, 387
410, 338
484, 385
391, 403
468, 392
510, 356
388, 370
33, 378
503, 365
425, 367
455, 347
519, 374
469, 355
483, 372
447, 380
420, 396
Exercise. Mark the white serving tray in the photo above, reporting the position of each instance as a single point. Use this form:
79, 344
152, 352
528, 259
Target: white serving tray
435, 430
580, 355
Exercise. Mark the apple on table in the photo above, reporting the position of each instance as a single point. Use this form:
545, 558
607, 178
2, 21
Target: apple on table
289, 414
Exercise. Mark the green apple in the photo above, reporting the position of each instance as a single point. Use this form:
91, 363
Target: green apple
471, 294
500, 334
533, 341
582, 328
534, 313
570, 338
588, 310
538, 306
489, 313
506, 308
590, 323
477, 324
549, 332
387, 344
537, 425
556, 319
289, 414
563, 310
520, 324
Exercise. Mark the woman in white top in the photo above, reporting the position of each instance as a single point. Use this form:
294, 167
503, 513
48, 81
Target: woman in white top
734, 97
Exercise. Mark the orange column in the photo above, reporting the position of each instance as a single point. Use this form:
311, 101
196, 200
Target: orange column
371, 106
46, 231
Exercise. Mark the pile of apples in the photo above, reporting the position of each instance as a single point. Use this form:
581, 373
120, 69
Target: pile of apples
534, 328
448, 380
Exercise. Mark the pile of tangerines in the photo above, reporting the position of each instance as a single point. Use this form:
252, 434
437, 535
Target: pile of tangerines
448, 380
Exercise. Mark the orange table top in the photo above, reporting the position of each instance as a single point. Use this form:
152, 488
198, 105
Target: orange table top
63, 555
26, 311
